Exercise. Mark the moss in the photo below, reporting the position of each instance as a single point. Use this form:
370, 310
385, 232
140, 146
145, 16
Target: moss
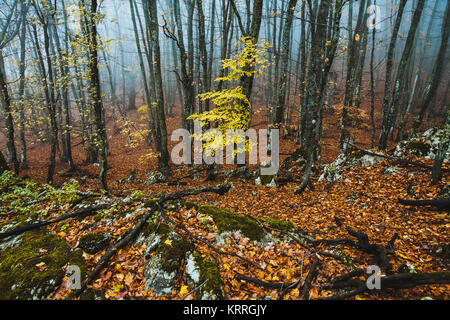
445, 192
278, 224
94, 242
150, 203
226, 220
19, 221
20, 278
209, 271
418, 148
299, 153
152, 226
266, 180
173, 253
89, 294
100, 216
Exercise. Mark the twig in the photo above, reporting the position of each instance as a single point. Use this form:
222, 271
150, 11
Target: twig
195, 289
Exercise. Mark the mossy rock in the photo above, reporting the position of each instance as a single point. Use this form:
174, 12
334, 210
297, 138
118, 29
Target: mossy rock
278, 224
155, 177
200, 269
165, 262
445, 192
173, 252
268, 181
418, 148
32, 267
94, 242
153, 226
150, 203
19, 221
298, 157
226, 220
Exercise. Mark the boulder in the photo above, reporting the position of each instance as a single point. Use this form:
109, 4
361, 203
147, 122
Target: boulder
265, 180
170, 254
166, 251
94, 242
200, 269
32, 265
425, 145
346, 160
155, 177
298, 158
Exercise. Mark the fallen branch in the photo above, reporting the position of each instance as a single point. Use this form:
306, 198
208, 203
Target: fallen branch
363, 244
195, 289
77, 213
396, 281
351, 274
441, 204
309, 279
189, 175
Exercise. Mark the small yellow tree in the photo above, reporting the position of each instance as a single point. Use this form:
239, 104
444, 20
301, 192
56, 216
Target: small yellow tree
232, 107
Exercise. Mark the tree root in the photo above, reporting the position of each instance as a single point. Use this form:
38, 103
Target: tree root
394, 281
363, 244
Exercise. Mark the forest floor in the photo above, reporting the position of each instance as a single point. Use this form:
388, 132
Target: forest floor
364, 199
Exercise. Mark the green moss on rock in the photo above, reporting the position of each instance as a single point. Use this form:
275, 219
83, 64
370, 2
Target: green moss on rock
172, 253
153, 226
150, 203
418, 148
227, 220
170, 247
94, 242
278, 224
20, 275
209, 270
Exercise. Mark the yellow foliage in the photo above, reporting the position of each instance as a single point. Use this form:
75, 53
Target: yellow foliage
143, 112
232, 106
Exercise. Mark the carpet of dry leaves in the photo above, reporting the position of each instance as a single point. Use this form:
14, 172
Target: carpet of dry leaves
364, 199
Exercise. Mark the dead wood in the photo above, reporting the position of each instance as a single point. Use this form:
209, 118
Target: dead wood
81, 212
441, 204
312, 274
394, 281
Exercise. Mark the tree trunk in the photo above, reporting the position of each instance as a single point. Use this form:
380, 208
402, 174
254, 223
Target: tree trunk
6, 99
400, 78
3, 164
95, 91
351, 82
22, 68
163, 156
285, 51
438, 69
382, 142
436, 174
